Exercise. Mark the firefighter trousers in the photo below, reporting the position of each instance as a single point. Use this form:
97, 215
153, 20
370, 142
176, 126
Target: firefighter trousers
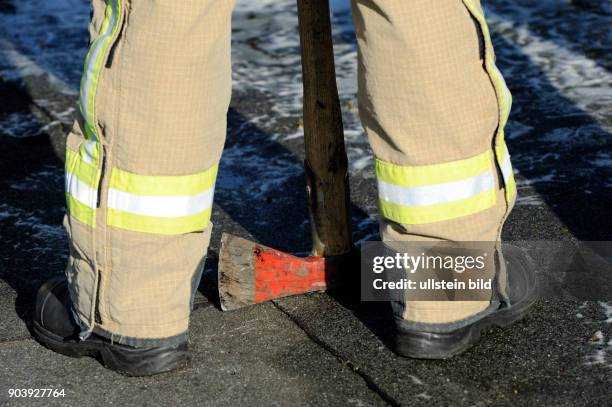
141, 160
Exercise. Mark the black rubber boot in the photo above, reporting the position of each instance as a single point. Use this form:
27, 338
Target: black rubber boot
54, 326
522, 292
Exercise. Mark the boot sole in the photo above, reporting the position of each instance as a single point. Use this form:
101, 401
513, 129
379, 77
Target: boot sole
127, 361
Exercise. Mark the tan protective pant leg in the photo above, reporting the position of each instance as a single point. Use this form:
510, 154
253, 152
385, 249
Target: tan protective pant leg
141, 164
434, 106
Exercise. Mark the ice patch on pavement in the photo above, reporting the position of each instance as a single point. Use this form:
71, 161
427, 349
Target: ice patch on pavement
602, 160
600, 343
27, 222
19, 124
266, 59
579, 78
45, 38
245, 171
517, 130
416, 380
51, 237
607, 308
50, 38
366, 229
534, 180
46, 179
17, 66
531, 199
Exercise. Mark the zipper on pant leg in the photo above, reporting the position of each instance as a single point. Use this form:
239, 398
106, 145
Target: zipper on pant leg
98, 59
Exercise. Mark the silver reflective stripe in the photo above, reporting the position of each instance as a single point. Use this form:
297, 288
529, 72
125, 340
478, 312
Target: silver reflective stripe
160, 206
436, 194
80, 191
506, 166
90, 147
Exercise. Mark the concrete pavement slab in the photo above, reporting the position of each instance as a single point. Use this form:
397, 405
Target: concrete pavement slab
320, 349
254, 357
541, 360
12, 327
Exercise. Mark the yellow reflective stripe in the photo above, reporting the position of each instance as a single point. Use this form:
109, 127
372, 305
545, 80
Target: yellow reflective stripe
80, 211
94, 62
85, 172
504, 97
158, 204
90, 130
422, 175
173, 185
82, 180
157, 225
415, 215
97, 55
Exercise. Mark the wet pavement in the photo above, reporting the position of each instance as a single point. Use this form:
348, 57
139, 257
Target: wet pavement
319, 348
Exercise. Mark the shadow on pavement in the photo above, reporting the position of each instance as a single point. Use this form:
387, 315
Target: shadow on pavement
557, 156
272, 209
577, 25
31, 205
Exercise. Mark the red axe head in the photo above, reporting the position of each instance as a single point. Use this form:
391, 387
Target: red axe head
250, 273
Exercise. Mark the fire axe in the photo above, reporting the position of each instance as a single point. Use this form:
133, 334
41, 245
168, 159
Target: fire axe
250, 273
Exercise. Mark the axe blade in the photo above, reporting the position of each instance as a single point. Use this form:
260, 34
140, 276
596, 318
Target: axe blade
250, 273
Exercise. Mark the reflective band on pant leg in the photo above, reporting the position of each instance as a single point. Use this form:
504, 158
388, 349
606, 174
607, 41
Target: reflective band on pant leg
506, 170
93, 64
503, 93
434, 193
504, 97
82, 180
164, 205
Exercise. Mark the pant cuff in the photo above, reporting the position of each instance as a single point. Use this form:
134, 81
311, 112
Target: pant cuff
446, 327
128, 340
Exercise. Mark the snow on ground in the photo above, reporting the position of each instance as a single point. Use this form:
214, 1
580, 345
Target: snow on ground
50, 238
267, 59
556, 59
599, 350
50, 37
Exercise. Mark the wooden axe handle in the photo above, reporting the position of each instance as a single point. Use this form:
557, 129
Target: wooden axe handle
326, 164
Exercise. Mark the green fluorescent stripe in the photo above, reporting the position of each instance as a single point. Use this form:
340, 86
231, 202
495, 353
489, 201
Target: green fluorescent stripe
82, 170
92, 47
494, 74
504, 97
412, 176
90, 130
100, 47
178, 185
160, 226
80, 212
416, 215
101, 57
